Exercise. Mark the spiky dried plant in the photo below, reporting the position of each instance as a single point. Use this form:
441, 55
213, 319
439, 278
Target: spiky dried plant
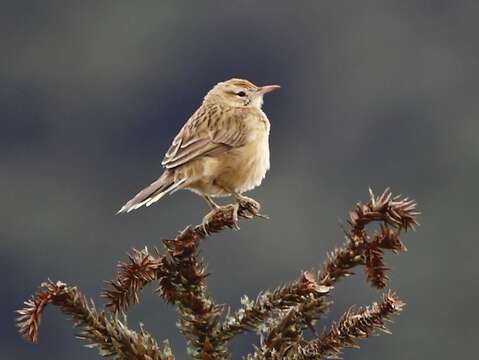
281, 317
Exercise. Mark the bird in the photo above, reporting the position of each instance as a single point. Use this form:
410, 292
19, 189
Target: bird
222, 150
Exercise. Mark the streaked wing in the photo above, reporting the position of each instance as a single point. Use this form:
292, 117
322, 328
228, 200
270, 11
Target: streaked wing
211, 129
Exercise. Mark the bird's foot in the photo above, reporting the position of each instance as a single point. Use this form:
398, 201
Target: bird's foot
221, 209
251, 207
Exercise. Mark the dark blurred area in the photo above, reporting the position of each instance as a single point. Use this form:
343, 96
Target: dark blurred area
373, 94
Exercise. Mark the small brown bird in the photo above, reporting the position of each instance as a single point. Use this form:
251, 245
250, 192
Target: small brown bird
222, 150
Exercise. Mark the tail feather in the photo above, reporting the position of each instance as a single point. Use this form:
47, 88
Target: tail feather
164, 185
158, 195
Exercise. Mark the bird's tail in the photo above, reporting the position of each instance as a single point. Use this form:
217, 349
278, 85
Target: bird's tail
164, 185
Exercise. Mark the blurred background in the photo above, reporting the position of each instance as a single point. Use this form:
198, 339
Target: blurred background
373, 94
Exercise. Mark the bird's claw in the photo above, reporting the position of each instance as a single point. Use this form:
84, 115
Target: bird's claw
244, 207
208, 217
251, 207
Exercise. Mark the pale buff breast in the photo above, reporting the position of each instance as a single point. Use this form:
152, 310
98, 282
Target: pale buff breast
246, 167
238, 169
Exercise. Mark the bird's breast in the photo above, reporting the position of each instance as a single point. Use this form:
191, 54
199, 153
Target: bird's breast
238, 169
246, 166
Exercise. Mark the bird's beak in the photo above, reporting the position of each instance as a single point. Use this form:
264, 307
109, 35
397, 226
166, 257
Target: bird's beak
268, 88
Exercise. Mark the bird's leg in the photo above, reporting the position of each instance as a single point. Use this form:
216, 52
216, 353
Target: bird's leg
211, 204
214, 209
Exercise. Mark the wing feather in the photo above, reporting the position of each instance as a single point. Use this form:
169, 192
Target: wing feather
211, 129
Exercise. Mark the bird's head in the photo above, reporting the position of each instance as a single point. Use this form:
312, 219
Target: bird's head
239, 93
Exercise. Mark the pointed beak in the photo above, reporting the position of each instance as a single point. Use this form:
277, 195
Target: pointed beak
268, 88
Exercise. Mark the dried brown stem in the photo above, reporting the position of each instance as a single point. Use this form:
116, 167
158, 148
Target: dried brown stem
132, 277
185, 285
354, 324
254, 314
393, 216
281, 315
111, 336
182, 281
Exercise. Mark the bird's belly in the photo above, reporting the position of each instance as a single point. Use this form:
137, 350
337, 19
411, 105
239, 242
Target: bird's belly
238, 169
244, 168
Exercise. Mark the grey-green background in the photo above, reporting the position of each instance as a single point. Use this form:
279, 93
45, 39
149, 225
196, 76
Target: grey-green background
373, 94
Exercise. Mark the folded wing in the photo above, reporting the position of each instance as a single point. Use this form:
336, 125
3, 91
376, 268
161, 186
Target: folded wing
211, 129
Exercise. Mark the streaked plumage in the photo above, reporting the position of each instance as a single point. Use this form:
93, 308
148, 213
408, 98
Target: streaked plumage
221, 150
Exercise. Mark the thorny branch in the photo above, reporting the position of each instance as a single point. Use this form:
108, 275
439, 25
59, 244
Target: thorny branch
132, 277
393, 216
354, 324
281, 316
110, 335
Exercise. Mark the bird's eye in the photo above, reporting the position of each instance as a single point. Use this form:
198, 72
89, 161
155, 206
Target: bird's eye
241, 93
